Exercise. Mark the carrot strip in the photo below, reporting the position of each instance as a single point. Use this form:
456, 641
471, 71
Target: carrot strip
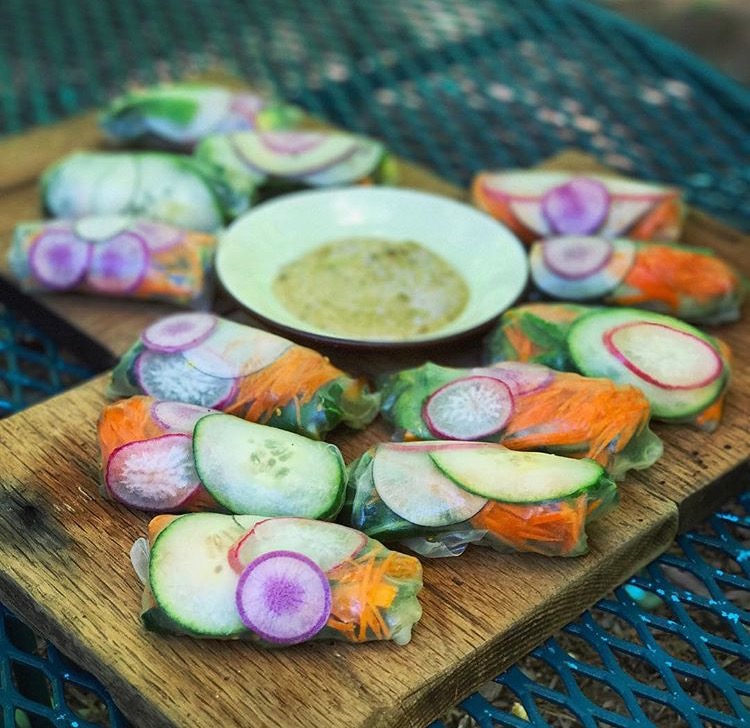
663, 222
500, 209
128, 420
156, 525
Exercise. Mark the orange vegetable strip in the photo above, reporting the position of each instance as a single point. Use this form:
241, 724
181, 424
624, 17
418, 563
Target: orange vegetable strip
663, 221
128, 420
156, 525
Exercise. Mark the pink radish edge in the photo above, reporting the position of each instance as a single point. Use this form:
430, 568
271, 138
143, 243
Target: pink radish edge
179, 416
178, 327
613, 349
554, 252
520, 377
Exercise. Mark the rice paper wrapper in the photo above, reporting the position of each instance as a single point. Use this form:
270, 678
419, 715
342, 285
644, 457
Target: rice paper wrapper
541, 333
178, 116
405, 492
115, 255
212, 362
372, 591
542, 409
171, 188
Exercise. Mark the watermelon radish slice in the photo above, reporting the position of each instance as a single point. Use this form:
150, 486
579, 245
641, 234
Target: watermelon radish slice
519, 377
625, 212
575, 257
360, 164
101, 227
469, 408
171, 377
179, 331
118, 265
293, 153
410, 485
153, 475
179, 416
529, 214
232, 350
578, 207
159, 236
59, 259
649, 350
327, 544
284, 597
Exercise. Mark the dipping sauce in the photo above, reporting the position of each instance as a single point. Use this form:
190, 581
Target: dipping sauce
373, 288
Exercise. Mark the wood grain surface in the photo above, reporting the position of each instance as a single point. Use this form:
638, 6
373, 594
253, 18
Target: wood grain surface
63, 550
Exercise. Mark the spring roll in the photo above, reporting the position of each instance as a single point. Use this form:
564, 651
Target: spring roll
275, 582
177, 116
201, 359
115, 256
686, 282
683, 372
176, 457
438, 497
542, 204
525, 407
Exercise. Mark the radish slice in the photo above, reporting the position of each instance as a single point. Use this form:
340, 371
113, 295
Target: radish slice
578, 207
179, 416
179, 331
576, 257
529, 213
652, 352
469, 409
118, 265
233, 350
284, 597
59, 259
171, 377
519, 377
360, 164
410, 485
327, 544
159, 236
153, 475
247, 106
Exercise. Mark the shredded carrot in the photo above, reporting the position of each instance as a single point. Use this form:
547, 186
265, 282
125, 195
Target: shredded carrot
667, 274
554, 529
294, 377
523, 346
499, 208
156, 525
663, 222
710, 418
128, 420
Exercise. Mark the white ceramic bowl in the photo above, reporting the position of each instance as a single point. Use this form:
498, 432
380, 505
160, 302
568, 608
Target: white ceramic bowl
257, 245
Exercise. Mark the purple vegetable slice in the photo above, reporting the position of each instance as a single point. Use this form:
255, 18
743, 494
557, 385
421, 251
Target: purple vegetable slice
153, 475
179, 331
575, 257
284, 597
59, 259
171, 377
469, 409
577, 207
520, 377
159, 236
179, 416
118, 265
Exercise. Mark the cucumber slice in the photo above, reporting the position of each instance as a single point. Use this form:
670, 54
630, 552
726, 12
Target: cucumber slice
360, 164
509, 476
99, 228
600, 280
171, 377
669, 357
408, 482
327, 544
251, 468
190, 577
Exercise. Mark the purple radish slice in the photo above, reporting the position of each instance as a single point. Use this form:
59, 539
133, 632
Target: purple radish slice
233, 350
327, 544
519, 377
624, 213
118, 265
179, 331
291, 142
153, 475
575, 257
59, 259
171, 377
469, 409
284, 597
649, 350
159, 236
246, 106
578, 207
179, 416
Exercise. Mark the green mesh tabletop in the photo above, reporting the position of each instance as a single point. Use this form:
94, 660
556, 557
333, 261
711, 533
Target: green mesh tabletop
458, 86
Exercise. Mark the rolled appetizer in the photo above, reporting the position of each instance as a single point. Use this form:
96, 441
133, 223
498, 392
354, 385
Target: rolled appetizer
525, 407
171, 188
177, 116
542, 204
175, 457
275, 581
260, 163
201, 359
115, 256
686, 282
683, 372
438, 497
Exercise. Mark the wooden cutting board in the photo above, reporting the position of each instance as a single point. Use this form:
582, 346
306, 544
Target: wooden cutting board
63, 550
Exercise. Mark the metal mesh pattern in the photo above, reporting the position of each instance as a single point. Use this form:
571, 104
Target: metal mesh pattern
457, 86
